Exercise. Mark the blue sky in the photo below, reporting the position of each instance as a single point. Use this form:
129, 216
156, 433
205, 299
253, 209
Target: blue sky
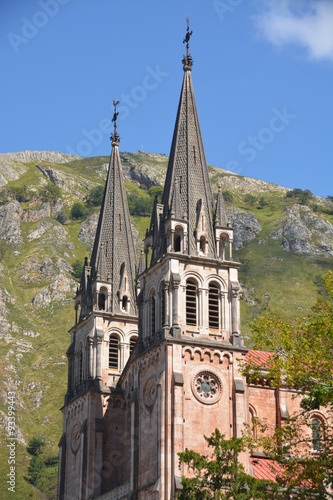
262, 75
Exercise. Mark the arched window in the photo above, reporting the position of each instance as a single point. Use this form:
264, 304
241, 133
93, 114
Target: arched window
191, 303
102, 298
125, 302
114, 352
316, 428
178, 239
153, 313
202, 244
80, 366
162, 302
213, 305
132, 344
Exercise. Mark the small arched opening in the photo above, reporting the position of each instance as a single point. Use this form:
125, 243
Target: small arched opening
114, 352
191, 302
213, 306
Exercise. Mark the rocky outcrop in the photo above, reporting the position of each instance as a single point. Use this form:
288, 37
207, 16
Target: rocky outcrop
48, 209
88, 229
245, 225
57, 291
10, 220
39, 231
304, 232
67, 183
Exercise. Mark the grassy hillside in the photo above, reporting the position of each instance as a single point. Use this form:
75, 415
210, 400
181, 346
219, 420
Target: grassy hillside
39, 242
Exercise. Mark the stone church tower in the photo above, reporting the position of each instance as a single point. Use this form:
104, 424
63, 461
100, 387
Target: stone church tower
124, 423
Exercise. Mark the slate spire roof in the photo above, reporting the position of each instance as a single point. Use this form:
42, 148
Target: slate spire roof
113, 252
187, 168
220, 213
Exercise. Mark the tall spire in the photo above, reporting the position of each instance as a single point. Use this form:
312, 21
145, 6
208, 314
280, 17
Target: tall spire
113, 255
220, 213
187, 164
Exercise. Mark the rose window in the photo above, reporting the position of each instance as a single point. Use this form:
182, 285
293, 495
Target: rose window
206, 387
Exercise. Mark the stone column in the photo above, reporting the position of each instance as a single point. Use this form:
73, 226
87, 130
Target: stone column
175, 331
90, 357
236, 336
99, 337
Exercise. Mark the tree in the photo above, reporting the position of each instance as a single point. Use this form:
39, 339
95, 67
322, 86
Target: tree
304, 363
227, 196
78, 210
222, 476
50, 192
95, 197
77, 269
35, 445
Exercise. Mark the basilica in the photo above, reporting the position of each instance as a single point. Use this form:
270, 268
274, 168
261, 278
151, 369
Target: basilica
155, 352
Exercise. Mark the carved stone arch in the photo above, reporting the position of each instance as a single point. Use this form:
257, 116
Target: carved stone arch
114, 331
218, 354
192, 275
198, 351
218, 279
208, 353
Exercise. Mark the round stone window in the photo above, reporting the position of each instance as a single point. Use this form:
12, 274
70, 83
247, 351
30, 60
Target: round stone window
150, 392
207, 387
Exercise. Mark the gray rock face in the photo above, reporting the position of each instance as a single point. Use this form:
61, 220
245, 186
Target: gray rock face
88, 229
39, 231
304, 232
68, 183
60, 286
245, 225
10, 220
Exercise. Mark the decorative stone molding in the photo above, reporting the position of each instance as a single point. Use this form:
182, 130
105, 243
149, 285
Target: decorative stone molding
150, 392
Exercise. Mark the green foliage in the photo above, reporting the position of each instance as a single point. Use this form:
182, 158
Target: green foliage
262, 203
95, 197
35, 445
139, 205
156, 191
63, 216
77, 269
329, 198
50, 192
250, 199
20, 193
222, 476
36, 471
305, 365
4, 198
227, 196
78, 210
3, 249
301, 196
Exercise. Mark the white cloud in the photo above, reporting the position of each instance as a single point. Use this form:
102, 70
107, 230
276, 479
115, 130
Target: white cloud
306, 23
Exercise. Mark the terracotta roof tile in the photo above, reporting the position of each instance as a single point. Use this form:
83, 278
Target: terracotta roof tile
258, 357
265, 468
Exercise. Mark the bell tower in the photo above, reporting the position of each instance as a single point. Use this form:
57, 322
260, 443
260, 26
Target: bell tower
102, 339
184, 379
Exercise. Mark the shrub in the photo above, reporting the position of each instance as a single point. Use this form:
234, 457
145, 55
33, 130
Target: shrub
63, 216
50, 192
77, 269
140, 206
228, 196
4, 197
20, 193
303, 197
36, 471
95, 197
262, 203
250, 199
35, 445
78, 210
156, 191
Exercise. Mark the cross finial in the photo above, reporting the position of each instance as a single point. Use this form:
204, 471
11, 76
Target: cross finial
115, 137
187, 60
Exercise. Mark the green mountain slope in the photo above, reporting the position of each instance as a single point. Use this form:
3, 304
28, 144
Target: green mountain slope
285, 248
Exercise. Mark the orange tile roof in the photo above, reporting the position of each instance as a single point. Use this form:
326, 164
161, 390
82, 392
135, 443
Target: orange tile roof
258, 358
265, 468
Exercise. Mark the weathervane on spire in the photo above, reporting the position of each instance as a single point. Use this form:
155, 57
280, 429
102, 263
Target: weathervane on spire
115, 137
187, 60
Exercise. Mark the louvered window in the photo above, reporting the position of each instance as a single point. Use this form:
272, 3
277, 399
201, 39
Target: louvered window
132, 344
191, 303
213, 305
153, 314
113, 353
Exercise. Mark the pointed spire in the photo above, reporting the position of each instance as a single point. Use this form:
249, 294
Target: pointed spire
114, 246
187, 165
220, 213
142, 265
